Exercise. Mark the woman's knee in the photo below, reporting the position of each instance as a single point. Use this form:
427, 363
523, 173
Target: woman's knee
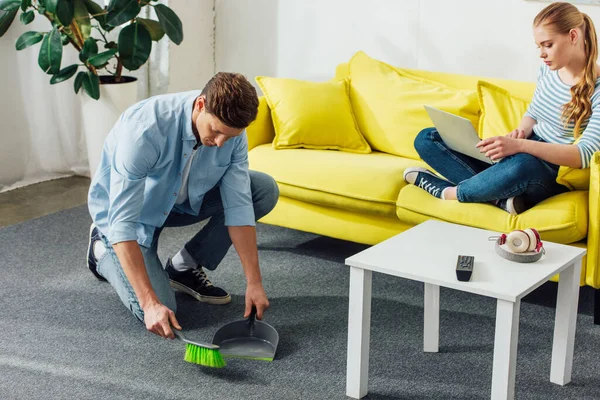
425, 139
521, 163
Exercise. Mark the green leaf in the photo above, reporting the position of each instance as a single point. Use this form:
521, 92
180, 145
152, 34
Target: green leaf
27, 39
82, 18
102, 58
25, 4
90, 48
121, 11
51, 52
98, 13
6, 18
51, 5
9, 5
156, 31
170, 22
64, 74
27, 17
91, 85
134, 46
78, 81
65, 11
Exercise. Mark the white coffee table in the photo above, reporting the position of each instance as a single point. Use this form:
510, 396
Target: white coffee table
428, 253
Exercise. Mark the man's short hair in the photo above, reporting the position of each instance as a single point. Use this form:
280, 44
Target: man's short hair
232, 99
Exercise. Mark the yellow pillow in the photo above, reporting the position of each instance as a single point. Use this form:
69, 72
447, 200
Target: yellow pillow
313, 115
502, 112
389, 107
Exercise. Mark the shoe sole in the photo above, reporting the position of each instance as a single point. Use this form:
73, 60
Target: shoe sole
101, 279
415, 169
198, 296
515, 205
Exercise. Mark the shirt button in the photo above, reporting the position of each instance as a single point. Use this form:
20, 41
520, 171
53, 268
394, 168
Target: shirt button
185, 155
166, 213
175, 194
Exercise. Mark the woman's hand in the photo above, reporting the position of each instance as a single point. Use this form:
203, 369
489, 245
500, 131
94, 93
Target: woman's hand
517, 134
498, 147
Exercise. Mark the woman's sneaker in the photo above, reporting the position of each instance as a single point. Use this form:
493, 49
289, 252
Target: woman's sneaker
513, 205
426, 180
195, 283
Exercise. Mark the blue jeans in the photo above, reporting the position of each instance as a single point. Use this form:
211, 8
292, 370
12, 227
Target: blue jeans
478, 182
208, 246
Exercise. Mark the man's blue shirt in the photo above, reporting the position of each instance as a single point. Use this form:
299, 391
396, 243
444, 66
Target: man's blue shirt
140, 172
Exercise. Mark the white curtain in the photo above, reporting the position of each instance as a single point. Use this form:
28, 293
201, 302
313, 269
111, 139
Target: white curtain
41, 134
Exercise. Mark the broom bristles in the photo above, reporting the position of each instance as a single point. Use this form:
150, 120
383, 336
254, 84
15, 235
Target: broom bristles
203, 356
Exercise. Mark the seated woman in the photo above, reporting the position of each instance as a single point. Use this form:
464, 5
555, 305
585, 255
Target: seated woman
565, 106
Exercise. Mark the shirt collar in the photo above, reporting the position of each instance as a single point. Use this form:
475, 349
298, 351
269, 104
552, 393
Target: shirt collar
188, 133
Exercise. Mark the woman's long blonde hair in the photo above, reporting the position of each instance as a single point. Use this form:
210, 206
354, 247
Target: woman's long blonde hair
563, 17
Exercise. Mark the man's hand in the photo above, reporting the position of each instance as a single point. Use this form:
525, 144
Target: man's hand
256, 296
158, 319
498, 147
517, 134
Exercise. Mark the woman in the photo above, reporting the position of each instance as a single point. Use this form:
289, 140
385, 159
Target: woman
565, 106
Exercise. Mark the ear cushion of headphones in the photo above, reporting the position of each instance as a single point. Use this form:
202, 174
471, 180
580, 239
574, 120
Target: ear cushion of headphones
519, 241
532, 239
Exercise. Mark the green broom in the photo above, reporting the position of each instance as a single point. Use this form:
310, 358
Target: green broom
205, 354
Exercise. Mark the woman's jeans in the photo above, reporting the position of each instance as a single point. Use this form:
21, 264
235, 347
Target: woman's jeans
208, 247
478, 182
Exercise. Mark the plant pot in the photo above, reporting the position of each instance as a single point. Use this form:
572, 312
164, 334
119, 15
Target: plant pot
99, 116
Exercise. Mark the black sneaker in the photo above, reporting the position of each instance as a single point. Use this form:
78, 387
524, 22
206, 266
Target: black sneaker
195, 283
513, 205
426, 180
92, 261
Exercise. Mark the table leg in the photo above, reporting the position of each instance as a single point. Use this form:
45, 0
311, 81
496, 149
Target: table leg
505, 349
359, 332
565, 324
431, 320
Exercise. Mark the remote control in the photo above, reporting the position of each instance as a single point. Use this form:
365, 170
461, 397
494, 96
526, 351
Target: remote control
464, 268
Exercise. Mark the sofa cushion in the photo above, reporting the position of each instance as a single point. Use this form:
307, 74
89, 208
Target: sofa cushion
501, 112
314, 115
389, 107
562, 218
355, 182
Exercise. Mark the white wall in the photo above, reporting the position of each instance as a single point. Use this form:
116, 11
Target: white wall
191, 64
307, 39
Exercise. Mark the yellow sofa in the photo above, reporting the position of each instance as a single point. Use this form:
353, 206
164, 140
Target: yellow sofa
363, 197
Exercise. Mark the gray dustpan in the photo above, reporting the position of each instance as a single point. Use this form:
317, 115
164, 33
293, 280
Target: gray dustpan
249, 338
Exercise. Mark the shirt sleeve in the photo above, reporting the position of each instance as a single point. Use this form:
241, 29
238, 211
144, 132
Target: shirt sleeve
133, 157
589, 141
235, 188
532, 110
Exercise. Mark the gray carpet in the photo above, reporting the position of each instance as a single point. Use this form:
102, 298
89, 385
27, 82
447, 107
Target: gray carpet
66, 335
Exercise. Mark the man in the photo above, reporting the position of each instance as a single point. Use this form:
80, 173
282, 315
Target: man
175, 160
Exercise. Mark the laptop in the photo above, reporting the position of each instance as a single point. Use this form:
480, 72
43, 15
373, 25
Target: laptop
458, 133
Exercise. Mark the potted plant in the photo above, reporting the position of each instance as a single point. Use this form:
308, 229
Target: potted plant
88, 27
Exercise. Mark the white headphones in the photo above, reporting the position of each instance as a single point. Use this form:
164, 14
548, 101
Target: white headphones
521, 241
520, 245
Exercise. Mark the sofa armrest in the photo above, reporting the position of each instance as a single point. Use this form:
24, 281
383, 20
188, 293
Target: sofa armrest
593, 239
261, 131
